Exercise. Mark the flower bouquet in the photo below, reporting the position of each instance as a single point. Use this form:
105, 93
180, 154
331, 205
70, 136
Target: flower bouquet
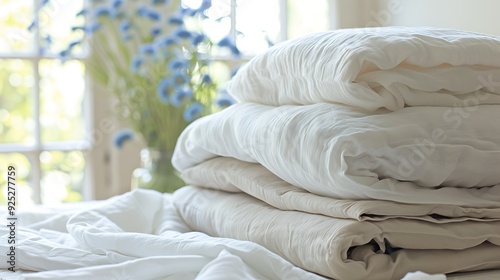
155, 58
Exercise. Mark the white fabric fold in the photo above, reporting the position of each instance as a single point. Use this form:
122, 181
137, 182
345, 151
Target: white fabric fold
232, 175
343, 248
372, 68
138, 235
416, 155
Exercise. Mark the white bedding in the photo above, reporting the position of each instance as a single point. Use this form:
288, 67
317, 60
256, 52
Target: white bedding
138, 235
232, 175
322, 186
343, 248
416, 155
371, 68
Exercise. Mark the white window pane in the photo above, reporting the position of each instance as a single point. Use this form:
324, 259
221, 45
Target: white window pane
62, 176
16, 104
23, 171
62, 87
257, 25
15, 18
219, 9
56, 19
217, 25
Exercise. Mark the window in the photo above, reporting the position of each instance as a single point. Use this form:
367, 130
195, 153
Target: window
255, 25
47, 115
43, 112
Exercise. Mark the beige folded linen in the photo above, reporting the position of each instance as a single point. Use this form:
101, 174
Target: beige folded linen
232, 175
343, 248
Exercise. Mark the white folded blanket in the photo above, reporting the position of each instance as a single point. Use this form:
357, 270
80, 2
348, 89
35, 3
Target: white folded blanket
232, 175
390, 68
343, 248
416, 155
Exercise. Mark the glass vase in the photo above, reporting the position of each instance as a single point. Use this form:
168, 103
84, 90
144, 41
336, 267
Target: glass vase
156, 172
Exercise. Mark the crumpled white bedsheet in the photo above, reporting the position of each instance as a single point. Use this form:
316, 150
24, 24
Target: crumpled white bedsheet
138, 235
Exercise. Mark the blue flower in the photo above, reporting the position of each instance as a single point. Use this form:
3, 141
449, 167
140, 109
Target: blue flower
188, 11
73, 44
155, 31
82, 12
159, 2
64, 54
206, 79
102, 11
75, 28
48, 39
153, 15
198, 38
33, 25
146, 49
235, 51
122, 136
224, 101
180, 79
225, 42
163, 89
166, 41
91, 28
116, 3
178, 64
136, 63
193, 111
176, 19
205, 4
182, 33
180, 96
124, 25
142, 11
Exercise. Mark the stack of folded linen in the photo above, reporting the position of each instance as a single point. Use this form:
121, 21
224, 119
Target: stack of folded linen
356, 154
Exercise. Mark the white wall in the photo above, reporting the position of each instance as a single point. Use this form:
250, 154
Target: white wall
474, 15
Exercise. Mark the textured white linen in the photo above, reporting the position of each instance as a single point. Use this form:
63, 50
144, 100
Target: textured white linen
138, 235
416, 155
373, 68
232, 175
343, 248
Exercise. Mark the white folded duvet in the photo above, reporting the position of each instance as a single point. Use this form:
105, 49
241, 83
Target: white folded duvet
416, 155
373, 68
343, 248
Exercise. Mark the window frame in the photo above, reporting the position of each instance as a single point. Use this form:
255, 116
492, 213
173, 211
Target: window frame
32, 151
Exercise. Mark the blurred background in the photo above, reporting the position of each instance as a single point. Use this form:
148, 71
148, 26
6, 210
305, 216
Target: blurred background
57, 125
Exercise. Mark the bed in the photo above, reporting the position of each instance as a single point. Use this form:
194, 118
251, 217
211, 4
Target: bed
351, 154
